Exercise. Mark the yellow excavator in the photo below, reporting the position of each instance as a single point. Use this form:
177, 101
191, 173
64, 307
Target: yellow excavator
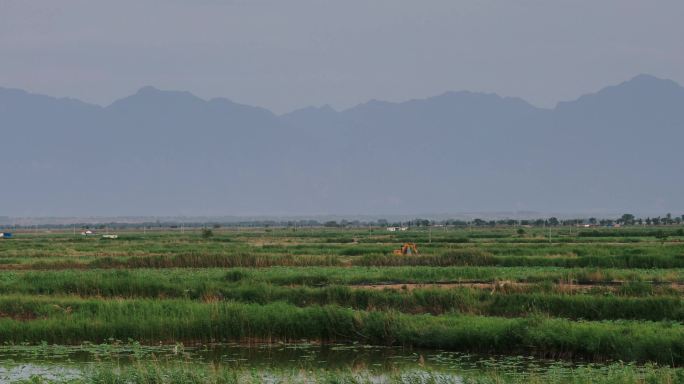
407, 249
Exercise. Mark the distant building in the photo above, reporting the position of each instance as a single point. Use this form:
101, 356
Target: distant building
394, 229
5, 235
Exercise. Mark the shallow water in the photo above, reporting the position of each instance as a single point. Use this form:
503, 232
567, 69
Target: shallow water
64, 362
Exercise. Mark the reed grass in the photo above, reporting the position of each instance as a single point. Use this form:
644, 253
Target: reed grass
477, 257
183, 282
503, 299
71, 321
321, 247
278, 284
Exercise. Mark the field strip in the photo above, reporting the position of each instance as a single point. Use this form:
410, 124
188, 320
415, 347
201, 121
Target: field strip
505, 284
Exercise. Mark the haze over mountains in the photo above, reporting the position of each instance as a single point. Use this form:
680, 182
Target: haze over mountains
171, 153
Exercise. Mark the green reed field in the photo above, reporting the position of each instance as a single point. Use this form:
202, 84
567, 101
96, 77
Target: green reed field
590, 295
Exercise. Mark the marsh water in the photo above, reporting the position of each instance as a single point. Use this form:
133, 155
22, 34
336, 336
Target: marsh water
63, 362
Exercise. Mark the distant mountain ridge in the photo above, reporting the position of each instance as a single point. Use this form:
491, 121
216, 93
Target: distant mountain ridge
172, 153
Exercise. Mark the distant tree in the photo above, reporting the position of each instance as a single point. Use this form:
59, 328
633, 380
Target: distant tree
207, 233
627, 219
461, 223
521, 232
592, 221
331, 224
553, 221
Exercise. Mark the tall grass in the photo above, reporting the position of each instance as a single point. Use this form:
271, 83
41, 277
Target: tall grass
476, 257
183, 282
322, 247
461, 257
75, 321
193, 260
502, 300
285, 285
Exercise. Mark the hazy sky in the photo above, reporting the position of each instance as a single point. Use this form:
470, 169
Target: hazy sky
286, 54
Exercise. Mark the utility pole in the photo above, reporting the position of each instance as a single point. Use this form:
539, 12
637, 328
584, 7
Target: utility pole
430, 235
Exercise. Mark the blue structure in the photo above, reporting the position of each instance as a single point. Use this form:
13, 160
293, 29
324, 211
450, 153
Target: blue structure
5, 235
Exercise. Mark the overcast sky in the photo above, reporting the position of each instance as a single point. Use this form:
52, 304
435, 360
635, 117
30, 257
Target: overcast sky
284, 55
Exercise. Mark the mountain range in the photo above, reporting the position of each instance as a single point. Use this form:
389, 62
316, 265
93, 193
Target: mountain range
172, 153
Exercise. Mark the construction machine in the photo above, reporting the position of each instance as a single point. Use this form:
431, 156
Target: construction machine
407, 249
